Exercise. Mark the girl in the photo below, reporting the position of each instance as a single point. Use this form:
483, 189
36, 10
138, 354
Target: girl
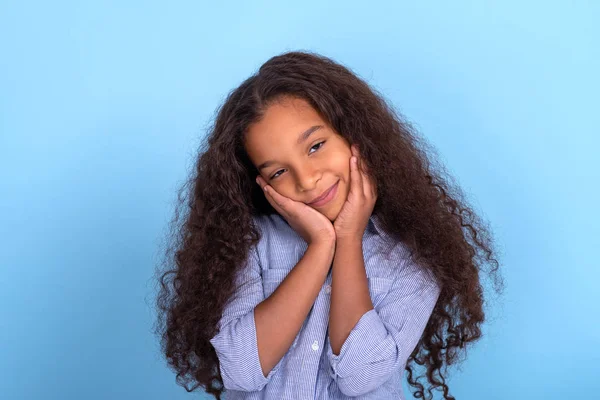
301, 273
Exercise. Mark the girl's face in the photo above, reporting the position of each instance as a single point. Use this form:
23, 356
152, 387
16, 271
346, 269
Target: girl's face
300, 155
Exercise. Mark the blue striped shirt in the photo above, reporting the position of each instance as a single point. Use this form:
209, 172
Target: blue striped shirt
371, 361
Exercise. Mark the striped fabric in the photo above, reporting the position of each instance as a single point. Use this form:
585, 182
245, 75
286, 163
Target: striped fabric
371, 360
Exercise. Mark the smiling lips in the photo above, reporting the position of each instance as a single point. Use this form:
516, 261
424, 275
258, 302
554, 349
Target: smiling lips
325, 197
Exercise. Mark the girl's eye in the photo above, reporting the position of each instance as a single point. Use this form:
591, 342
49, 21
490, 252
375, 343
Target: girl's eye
317, 144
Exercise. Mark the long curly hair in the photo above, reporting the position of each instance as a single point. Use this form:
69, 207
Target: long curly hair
418, 203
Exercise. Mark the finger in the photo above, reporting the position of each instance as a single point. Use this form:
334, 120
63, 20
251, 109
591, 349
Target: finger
355, 174
271, 196
268, 195
356, 188
367, 179
370, 186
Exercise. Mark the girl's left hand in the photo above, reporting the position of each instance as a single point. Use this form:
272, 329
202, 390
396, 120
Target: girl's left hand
356, 211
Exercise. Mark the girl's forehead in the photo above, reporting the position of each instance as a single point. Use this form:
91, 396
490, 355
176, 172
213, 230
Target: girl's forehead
286, 117
285, 124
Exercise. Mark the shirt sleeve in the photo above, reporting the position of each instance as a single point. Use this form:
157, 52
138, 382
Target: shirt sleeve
384, 337
235, 343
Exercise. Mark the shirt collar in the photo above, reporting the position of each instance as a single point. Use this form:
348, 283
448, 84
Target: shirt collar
375, 225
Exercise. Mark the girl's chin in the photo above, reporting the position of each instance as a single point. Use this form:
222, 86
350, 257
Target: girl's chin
332, 213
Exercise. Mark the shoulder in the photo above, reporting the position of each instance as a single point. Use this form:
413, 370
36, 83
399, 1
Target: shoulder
273, 231
266, 224
409, 269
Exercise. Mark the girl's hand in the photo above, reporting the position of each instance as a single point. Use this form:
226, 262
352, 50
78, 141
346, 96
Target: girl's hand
310, 224
352, 220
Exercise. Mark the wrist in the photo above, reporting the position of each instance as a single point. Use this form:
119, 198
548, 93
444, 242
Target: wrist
323, 247
325, 242
344, 241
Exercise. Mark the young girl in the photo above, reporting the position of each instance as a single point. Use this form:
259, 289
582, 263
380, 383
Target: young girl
321, 255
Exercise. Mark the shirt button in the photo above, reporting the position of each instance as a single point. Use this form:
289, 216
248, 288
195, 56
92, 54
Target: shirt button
315, 345
328, 289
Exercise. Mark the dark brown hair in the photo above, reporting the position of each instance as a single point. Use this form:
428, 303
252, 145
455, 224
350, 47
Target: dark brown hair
210, 239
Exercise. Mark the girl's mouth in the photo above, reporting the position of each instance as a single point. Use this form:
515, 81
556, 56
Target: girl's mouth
328, 197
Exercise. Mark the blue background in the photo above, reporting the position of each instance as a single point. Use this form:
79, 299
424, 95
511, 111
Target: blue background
102, 107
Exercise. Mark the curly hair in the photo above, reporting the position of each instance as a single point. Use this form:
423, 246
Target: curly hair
418, 203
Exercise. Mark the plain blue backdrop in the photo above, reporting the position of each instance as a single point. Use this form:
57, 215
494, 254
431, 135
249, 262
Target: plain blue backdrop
102, 107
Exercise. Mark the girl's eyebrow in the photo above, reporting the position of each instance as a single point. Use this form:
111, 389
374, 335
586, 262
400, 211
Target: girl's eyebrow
301, 139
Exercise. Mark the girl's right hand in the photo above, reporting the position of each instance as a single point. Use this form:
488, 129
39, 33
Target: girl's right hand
310, 224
